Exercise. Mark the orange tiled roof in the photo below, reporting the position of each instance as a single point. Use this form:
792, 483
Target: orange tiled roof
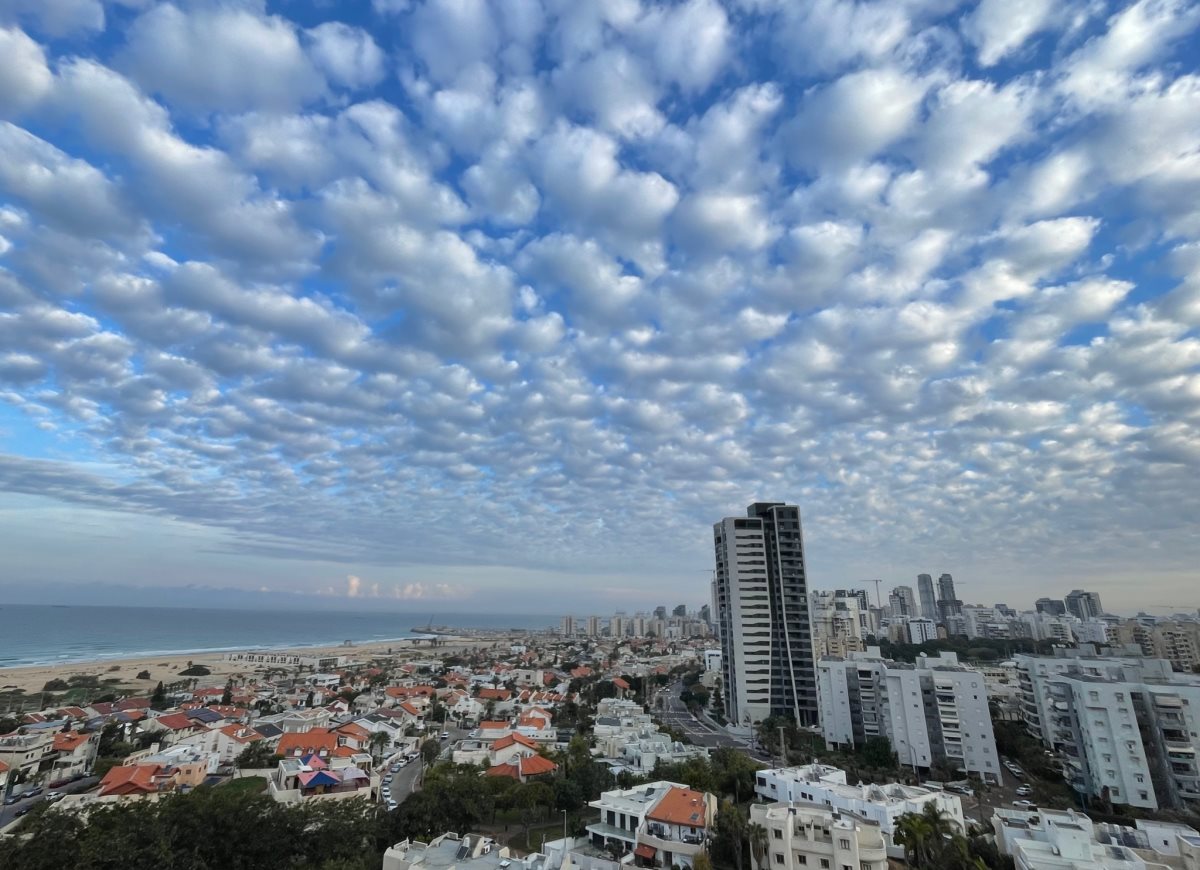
354, 730
493, 724
536, 765
620, 683
241, 733
509, 739
130, 779
680, 806
495, 694
69, 741
305, 742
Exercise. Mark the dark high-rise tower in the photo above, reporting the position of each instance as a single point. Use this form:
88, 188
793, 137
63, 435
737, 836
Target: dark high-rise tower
763, 617
928, 599
948, 603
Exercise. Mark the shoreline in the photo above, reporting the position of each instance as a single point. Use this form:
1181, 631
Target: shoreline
122, 671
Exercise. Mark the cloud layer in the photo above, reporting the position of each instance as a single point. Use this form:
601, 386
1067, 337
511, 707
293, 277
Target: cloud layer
444, 288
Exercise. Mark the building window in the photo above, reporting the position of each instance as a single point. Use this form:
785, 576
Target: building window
844, 844
825, 863
778, 833
778, 858
801, 859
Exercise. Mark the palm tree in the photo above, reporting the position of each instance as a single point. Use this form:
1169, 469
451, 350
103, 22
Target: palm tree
757, 835
379, 740
913, 833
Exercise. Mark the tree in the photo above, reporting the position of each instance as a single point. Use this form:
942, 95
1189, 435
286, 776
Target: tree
143, 675
227, 695
877, 752
702, 862
730, 839
379, 742
430, 750
757, 835
256, 756
158, 700
527, 804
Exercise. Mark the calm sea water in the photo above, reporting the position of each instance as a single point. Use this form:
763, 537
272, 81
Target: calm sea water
39, 634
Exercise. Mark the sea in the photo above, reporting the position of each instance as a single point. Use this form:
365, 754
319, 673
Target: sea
54, 634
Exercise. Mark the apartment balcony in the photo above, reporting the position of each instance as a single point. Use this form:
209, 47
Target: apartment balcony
1168, 702
662, 841
604, 833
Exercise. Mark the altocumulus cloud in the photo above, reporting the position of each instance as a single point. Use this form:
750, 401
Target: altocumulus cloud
460, 290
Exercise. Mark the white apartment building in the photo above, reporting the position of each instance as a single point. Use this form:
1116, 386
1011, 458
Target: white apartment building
881, 805
807, 837
1126, 728
836, 624
1040, 839
763, 614
921, 630
933, 711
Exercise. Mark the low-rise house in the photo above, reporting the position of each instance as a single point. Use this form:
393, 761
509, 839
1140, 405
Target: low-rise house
883, 804
76, 753
808, 836
188, 766
322, 742
314, 777
136, 781
1039, 839
664, 823
524, 768
472, 852
29, 755
173, 727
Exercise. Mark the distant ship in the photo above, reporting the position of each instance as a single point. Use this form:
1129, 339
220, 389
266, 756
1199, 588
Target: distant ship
435, 629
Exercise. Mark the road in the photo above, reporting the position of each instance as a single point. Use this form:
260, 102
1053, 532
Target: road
703, 732
9, 813
406, 779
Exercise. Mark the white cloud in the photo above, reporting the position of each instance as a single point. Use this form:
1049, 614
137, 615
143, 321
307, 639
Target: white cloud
1000, 27
347, 55
24, 76
224, 59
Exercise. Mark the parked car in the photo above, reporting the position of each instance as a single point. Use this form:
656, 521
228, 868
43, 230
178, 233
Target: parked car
391, 804
1024, 805
22, 811
54, 796
33, 792
445, 735
964, 790
11, 799
1024, 791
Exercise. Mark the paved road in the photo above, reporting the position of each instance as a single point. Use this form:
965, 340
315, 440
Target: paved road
703, 732
407, 778
9, 813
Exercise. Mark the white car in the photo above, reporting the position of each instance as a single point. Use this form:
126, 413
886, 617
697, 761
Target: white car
445, 735
1024, 791
391, 804
1024, 805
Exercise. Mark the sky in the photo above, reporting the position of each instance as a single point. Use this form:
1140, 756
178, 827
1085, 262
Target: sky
500, 306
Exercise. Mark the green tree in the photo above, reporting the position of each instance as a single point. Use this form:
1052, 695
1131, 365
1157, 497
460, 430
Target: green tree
729, 843
158, 700
256, 756
756, 834
877, 752
227, 695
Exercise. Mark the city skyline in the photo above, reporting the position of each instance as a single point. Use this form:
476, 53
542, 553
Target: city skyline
446, 304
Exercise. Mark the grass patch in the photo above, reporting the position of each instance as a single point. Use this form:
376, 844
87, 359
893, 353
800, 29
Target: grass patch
251, 784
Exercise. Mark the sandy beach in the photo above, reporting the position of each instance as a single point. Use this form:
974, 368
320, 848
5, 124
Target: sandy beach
166, 668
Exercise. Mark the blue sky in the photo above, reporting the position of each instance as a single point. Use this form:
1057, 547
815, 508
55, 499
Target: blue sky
465, 304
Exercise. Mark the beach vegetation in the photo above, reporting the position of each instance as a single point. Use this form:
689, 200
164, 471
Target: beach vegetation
143, 675
195, 671
179, 830
55, 685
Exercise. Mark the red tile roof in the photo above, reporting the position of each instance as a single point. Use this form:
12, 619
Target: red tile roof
509, 739
493, 724
495, 694
536, 765
133, 704
69, 741
241, 733
305, 742
620, 683
680, 806
130, 779
177, 722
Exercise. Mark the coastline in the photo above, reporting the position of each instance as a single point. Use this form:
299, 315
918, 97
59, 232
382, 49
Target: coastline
166, 666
